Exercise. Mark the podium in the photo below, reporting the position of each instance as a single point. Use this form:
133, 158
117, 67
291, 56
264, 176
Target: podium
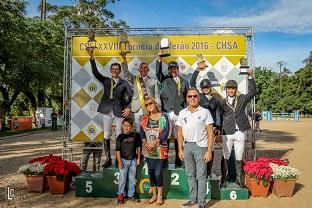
90, 184
233, 192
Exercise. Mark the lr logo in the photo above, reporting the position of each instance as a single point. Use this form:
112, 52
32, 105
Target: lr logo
10, 193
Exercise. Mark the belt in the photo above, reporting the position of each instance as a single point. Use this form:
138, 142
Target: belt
189, 142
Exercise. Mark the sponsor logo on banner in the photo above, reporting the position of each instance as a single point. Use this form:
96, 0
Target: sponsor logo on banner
92, 130
92, 88
222, 86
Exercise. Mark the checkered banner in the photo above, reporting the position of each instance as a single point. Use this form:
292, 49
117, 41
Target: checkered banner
221, 53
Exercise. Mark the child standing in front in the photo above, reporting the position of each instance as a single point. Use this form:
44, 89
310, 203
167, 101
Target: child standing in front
128, 154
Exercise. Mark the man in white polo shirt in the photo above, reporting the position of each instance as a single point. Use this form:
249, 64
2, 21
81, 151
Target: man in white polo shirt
195, 139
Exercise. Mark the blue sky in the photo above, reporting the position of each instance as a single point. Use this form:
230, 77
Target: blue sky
283, 28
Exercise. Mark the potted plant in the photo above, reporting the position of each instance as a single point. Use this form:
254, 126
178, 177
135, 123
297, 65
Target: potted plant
284, 179
259, 170
259, 173
36, 181
46, 159
59, 175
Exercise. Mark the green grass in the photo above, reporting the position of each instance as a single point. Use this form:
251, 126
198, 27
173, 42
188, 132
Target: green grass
12, 133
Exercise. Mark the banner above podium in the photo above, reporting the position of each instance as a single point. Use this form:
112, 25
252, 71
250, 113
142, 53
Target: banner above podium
180, 45
221, 53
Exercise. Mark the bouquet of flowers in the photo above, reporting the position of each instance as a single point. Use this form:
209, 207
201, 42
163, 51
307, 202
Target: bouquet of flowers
261, 170
32, 169
61, 169
273, 160
46, 159
284, 172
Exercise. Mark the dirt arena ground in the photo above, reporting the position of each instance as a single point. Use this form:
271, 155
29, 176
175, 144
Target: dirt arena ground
283, 139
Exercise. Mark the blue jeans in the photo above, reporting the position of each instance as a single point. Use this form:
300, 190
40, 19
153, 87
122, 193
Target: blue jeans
155, 171
196, 170
128, 168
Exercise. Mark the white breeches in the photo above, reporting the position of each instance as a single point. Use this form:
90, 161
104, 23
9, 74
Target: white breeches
137, 120
108, 122
173, 127
238, 139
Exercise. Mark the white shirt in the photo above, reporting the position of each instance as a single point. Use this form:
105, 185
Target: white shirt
194, 125
115, 79
176, 79
231, 100
208, 96
144, 78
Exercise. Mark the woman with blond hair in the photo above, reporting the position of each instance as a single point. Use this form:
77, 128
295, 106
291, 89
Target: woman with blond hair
154, 134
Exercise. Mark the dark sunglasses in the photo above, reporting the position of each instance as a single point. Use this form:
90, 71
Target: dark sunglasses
192, 96
147, 104
205, 87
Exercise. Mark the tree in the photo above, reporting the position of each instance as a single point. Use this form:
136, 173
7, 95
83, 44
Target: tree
11, 38
296, 93
31, 53
308, 60
86, 14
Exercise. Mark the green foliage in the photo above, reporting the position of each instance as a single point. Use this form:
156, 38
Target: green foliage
31, 59
285, 93
33, 169
32, 50
86, 14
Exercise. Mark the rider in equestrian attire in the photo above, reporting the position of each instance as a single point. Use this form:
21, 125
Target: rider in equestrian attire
143, 86
235, 125
173, 98
115, 102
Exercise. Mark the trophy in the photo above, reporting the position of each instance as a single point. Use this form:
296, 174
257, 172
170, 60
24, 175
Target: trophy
124, 43
91, 42
164, 47
201, 64
212, 78
243, 69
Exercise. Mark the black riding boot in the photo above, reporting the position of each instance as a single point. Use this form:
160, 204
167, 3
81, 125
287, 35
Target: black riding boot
239, 175
224, 172
108, 161
178, 162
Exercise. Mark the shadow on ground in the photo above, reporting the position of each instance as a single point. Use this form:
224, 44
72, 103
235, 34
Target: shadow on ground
275, 136
281, 154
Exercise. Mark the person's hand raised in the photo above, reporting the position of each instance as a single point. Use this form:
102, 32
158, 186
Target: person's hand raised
201, 66
90, 51
250, 72
159, 58
123, 56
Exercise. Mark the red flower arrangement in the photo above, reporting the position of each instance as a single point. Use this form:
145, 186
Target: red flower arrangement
273, 160
61, 169
260, 169
46, 159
